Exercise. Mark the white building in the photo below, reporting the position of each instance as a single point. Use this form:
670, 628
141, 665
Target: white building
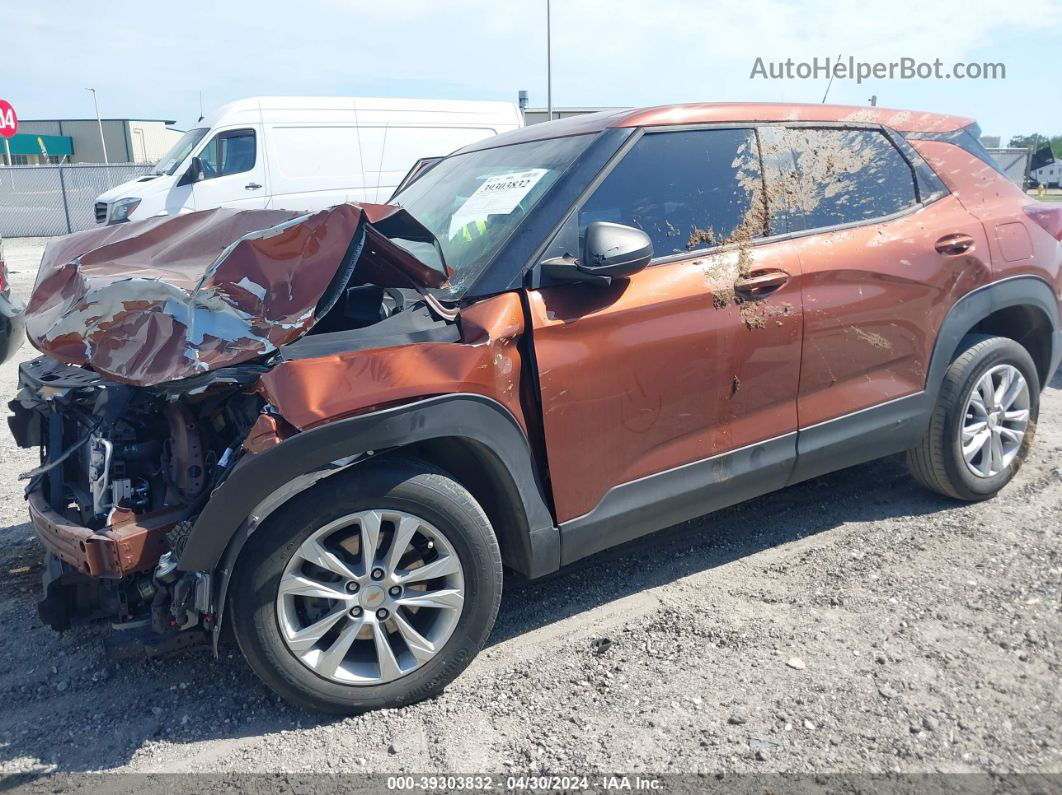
1051, 175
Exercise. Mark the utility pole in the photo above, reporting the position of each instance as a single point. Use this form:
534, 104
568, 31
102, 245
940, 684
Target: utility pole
99, 121
549, 67
1029, 159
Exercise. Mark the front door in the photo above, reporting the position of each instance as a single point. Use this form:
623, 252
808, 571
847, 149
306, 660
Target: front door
234, 173
684, 363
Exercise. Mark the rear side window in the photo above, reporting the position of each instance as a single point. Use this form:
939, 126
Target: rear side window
847, 176
968, 138
687, 190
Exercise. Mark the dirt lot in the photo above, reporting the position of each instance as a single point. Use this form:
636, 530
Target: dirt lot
853, 623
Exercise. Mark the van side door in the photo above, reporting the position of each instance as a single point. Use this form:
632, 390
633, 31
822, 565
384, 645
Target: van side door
233, 171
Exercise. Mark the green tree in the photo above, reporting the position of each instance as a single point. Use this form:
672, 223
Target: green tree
1037, 141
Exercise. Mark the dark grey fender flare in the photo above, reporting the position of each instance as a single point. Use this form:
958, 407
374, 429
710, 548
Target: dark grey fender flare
977, 305
267, 479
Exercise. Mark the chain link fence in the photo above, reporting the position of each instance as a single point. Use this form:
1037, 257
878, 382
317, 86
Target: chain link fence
37, 201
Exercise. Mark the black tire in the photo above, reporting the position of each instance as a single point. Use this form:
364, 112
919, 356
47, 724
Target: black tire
399, 484
937, 462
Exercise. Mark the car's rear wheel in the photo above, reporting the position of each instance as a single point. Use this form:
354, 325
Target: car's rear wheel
374, 589
984, 421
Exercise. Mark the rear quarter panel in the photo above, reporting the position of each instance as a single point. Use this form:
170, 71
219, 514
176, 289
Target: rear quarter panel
1018, 245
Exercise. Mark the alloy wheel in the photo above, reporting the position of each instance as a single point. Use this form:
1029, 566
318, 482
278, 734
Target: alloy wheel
370, 597
995, 420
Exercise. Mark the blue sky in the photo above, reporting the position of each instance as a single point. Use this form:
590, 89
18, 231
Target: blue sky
152, 60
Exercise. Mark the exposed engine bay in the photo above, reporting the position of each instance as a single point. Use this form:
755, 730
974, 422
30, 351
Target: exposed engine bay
142, 405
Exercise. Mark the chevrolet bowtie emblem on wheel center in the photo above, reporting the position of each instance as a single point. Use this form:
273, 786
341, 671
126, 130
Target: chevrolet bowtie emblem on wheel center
372, 597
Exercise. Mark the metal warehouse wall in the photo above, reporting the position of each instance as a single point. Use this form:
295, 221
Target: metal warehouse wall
86, 138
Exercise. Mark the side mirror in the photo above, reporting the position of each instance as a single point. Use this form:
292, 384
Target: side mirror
614, 249
608, 251
193, 174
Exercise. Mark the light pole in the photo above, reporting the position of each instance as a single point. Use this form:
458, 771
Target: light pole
549, 68
99, 121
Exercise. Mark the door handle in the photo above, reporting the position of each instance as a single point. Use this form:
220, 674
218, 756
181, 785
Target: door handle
252, 186
760, 283
953, 245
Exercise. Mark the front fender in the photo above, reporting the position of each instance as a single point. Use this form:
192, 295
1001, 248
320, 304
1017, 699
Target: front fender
307, 456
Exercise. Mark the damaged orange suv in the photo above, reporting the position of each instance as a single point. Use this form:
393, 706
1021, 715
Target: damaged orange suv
328, 432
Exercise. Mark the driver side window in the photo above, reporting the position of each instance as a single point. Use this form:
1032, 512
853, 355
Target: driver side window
688, 190
230, 152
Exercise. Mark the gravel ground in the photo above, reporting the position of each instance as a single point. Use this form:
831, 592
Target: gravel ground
854, 623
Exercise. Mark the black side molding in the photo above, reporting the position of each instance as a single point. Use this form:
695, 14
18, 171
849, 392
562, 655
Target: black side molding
676, 495
862, 436
468, 416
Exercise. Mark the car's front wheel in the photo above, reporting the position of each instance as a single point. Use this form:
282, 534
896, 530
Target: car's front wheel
376, 588
984, 421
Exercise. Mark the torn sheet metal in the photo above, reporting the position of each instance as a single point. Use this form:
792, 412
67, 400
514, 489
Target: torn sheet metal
486, 361
169, 298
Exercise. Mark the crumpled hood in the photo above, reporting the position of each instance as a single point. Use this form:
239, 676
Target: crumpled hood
168, 298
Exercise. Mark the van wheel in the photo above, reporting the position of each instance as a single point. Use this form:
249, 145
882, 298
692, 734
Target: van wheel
984, 421
375, 588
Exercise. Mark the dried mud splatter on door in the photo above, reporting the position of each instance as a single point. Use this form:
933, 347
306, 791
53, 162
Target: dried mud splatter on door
825, 160
724, 269
810, 171
756, 314
700, 237
873, 339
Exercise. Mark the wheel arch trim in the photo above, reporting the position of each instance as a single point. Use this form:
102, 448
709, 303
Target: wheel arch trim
978, 305
271, 478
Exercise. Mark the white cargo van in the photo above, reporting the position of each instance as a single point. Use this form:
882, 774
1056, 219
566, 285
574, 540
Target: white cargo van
302, 153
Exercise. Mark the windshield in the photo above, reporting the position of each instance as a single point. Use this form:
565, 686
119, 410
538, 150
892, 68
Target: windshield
473, 202
179, 151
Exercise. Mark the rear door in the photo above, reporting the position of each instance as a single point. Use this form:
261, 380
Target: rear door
884, 252
681, 363
234, 173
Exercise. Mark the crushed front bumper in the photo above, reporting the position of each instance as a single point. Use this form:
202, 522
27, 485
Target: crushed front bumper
130, 545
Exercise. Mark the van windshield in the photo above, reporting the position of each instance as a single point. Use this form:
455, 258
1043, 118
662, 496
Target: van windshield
473, 202
179, 151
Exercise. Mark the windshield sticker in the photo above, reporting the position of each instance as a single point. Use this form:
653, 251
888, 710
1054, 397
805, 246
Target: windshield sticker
497, 195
